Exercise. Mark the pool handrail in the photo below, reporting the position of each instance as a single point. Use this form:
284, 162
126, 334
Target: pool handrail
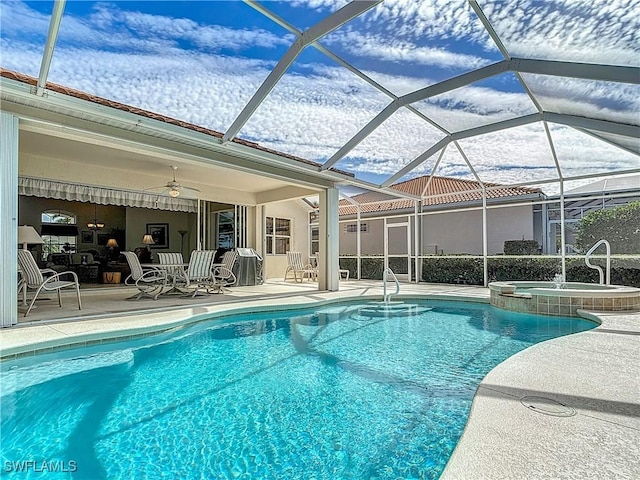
596, 267
387, 297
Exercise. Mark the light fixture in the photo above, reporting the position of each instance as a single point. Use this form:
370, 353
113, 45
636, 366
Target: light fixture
112, 244
174, 192
147, 239
27, 234
95, 225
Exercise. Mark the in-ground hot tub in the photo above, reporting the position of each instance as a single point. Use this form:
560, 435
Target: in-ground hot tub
551, 298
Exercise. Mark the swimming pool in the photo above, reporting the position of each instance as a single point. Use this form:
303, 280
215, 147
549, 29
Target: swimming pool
346, 391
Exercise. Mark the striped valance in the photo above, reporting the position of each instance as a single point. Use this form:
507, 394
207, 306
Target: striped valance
37, 187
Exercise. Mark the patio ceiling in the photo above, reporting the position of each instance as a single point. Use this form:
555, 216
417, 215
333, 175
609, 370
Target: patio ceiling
520, 93
83, 158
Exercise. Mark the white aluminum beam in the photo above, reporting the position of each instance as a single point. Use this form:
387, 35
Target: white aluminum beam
364, 132
494, 127
417, 161
489, 28
472, 132
433, 171
405, 100
616, 128
264, 89
333, 21
587, 71
553, 150
52, 35
473, 170
610, 142
455, 82
9, 138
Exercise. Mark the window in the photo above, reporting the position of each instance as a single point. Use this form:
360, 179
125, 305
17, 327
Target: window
353, 227
59, 232
278, 235
315, 240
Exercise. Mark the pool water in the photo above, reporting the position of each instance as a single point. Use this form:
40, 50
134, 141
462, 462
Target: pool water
341, 392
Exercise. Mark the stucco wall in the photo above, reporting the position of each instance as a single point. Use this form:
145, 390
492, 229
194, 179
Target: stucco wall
137, 219
449, 232
461, 232
296, 210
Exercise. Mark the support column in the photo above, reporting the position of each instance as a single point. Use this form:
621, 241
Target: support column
485, 239
9, 219
329, 247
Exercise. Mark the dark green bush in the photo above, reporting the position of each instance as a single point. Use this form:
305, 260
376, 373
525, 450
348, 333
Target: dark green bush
624, 271
501, 269
372, 268
619, 225
351, 264
521, 247
452, 270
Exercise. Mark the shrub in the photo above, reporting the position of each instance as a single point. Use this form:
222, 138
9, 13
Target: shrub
619, 225
469, 270
539, 269
521, 247
452, 270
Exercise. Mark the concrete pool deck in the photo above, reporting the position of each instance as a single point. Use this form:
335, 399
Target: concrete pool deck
515, 430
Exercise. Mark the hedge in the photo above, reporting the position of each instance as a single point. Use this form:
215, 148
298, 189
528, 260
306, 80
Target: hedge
624, 271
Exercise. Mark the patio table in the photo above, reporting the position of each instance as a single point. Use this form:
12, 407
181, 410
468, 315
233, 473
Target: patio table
174, 290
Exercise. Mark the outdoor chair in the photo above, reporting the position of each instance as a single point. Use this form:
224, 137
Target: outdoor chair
299, 269
200, 273
32, 277
150, 281
175, 274
223, 273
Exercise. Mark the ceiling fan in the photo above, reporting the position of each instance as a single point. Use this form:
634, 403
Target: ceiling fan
174, 188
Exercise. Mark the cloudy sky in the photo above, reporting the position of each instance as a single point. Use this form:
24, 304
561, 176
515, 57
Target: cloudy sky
202, 61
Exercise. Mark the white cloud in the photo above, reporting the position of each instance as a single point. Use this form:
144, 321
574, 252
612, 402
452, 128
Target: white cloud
315, 109
398, 51
593, 31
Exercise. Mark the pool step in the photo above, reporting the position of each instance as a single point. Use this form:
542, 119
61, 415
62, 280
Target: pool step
392, 309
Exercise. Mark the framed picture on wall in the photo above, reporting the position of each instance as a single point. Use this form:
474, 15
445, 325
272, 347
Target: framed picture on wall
87, 236
103, 238
160, 234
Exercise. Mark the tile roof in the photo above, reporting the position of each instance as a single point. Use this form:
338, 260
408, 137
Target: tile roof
448, 191
21, 77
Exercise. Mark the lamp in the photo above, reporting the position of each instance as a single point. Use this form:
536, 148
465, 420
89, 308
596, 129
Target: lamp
174, 192
111, 245
95, 225
182, 234
147, 239
27, 234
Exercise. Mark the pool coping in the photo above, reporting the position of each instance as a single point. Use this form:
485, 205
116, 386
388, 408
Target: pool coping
47, 337
592, 375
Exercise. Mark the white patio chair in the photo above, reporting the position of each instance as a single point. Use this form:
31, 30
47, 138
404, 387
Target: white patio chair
150, 281
223, 272
33, 278
177, 274
298, 268
200, 272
